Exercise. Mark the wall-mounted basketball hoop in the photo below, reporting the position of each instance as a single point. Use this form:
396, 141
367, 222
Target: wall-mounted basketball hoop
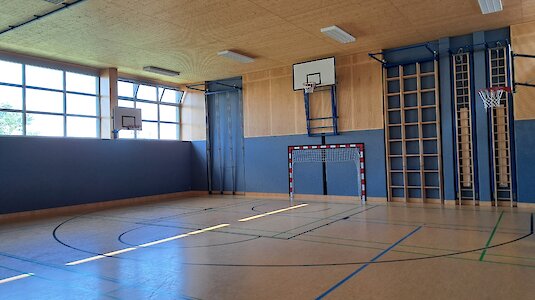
317, 76
309, 87
493, 96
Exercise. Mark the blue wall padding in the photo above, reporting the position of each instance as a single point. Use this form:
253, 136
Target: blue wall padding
199, 176
308, 178
481, 118
374, 148
38, 173
447, 118
525, 155
346, 187
266, 162
267, 165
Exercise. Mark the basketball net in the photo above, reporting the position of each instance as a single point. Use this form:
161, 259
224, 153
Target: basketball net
492, 97
309, 87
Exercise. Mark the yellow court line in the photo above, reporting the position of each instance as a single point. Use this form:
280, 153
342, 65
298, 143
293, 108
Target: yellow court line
81, 261
272, 212
16, 278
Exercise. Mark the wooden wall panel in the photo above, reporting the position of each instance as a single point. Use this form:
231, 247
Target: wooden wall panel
523, 41
272, 108
367, 93
257, 108
193, 116
345, 96
282, 106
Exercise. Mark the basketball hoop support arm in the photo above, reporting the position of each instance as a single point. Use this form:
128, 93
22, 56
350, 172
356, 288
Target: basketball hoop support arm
207, 91
515, 83
384, 62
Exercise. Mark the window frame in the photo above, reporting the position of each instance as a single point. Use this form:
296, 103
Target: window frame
64, 70
135, 88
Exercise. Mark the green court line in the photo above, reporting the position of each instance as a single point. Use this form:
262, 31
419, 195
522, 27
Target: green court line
419, 253
490, 237
409, 246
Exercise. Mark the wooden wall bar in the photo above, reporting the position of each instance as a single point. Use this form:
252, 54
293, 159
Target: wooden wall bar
272, 108
193, 120
523, 42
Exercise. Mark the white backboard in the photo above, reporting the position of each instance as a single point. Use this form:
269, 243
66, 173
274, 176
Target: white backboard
321, 71
125, 118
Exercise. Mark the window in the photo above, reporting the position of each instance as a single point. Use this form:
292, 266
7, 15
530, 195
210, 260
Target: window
37, 101
159, 106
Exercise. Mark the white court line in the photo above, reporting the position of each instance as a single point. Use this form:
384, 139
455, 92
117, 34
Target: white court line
272, 212
81, 261
16, 278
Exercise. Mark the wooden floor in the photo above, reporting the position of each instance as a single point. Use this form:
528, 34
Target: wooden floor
331, 250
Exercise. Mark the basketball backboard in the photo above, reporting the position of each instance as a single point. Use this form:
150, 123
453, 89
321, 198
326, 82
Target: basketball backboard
126, 118
321, 71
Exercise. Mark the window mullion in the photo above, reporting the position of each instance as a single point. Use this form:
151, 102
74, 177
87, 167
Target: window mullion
64, 104
23, 99
158, 100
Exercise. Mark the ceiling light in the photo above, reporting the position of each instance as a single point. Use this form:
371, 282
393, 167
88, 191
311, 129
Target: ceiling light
490, 6
235, 56
160, 71
57, 2
337, 34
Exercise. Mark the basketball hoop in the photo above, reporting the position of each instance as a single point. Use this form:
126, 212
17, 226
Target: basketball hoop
309, 87
492, 96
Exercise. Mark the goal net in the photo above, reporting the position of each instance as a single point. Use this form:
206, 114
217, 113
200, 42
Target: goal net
327, 154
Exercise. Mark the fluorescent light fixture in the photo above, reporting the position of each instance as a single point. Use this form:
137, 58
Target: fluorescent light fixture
490, 6
160, 71
235, 56
337, 34
57, 2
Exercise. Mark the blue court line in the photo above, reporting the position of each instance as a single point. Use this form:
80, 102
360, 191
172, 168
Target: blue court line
367, 264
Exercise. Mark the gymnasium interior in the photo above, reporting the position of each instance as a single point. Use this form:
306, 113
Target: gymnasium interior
247, 149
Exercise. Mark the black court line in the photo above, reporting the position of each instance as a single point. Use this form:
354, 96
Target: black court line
296, 212
324, 219
55, 231
354, 273
368, 262
318, 227
427, 225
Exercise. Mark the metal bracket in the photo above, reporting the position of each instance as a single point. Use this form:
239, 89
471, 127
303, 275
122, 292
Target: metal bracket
515, 83
385, 63
207, 91
37, 17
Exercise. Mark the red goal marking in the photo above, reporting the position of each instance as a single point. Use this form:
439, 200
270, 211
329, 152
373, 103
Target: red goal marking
359, 146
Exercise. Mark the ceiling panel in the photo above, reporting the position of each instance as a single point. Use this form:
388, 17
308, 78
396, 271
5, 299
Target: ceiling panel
185, 35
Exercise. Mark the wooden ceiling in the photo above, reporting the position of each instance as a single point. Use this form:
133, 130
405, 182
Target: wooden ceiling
185, 35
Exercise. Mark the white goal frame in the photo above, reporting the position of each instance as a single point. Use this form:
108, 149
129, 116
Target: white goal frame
321, 154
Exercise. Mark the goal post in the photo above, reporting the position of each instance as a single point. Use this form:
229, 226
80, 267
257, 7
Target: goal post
328, 153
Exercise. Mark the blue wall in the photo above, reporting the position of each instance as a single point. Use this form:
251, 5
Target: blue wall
199, 170
267, 165
525, 157
38, 173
